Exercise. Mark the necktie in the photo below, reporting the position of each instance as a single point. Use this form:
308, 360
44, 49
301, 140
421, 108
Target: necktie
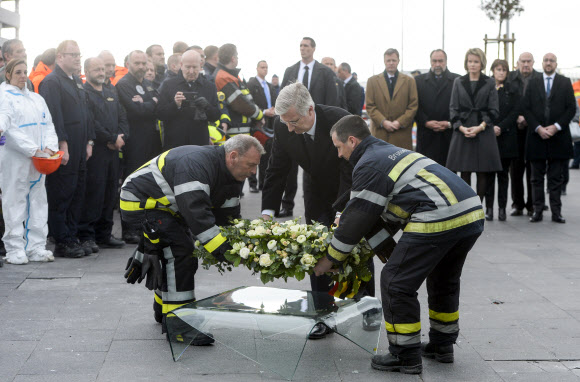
305, 78
309, 139
267, 93
391, 87
548, 87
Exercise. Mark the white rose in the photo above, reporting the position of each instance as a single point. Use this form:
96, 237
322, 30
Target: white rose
244, 252
324, 235
295, 228
301, 239
241, 224
256, 221
278, 231
265, 260
308, 260
272, 244
259, 250
251, 233
294, 246
260, 231
287, 262
236, 247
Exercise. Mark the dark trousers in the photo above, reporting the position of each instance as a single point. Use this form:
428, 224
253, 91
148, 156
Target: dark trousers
502, 185
101, 195
518, 168
576, 161
65, 191
291, 187
258, 181
410, 264
553, 168
565, 175
482, 180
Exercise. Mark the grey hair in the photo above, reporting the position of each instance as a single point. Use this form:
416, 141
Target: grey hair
294, 95
242, 144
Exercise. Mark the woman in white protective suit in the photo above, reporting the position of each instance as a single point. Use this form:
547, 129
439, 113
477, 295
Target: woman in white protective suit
27, 125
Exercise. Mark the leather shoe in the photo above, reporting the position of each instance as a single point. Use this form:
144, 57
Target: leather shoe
489, 214
563, 192
284, 213
501, 215
319, 331
111, 242
546, 208
391, 362
530, 212
516, 212
131, 238
440, 353
536, 217
254, 189
558, 219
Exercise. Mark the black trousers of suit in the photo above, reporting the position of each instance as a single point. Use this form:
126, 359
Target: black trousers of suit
553, 168
258, 181
502, 185
291, 187
518, 168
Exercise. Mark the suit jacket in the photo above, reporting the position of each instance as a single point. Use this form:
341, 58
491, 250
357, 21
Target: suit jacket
259, 96
322, 86
354, 93
327, 176
402, 107
509, 107
434, 96
559, 107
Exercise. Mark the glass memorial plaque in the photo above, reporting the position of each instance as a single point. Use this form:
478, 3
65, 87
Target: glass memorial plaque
271, 326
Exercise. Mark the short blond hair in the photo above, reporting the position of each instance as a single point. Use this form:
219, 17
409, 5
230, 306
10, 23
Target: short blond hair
476, 52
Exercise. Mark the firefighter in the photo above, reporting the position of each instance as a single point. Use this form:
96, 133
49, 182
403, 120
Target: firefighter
184, 195
441, 218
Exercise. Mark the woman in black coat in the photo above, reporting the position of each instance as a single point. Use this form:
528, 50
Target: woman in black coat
505, 129
473, 109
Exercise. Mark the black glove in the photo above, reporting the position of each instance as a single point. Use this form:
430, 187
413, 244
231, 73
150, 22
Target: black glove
220, 251
152, 270
134, 267
201, 103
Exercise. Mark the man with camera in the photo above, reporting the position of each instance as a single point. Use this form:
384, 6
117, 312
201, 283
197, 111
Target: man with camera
186, 103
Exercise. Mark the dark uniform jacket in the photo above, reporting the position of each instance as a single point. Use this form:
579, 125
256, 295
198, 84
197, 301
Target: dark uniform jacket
408, 191
559, 107
145, 141
322, 87
341, 92
434, 96
327, 175
259, 96
509, 108
186, 125
107, 115
191, 182
68, 104
354, 94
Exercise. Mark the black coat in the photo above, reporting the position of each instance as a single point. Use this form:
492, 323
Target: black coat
186, 125
68, 104
509, 107
145, 141
322, 86
434, 96
354, 93
468, 109
328, 176
259, 96
559, 107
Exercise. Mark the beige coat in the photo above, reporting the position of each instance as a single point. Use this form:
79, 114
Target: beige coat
402, 108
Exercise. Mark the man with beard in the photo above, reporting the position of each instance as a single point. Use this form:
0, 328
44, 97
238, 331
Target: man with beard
434, 93
140, 99
111, 130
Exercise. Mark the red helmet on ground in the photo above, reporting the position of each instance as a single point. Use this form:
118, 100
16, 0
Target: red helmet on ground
48, 165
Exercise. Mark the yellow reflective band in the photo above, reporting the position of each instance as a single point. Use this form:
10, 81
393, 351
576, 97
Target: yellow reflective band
169, 307
163, 200
441, 185
403, 328
402, 165
130, 206
161, 160
337, 255
398, 211
153, 241
245, 91
150, 204
225, 116
145, 165
445, 225
244, 119
260, 115
214, 243
444, 317
158, 299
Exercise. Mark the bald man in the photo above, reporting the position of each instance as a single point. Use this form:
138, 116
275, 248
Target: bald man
186, 103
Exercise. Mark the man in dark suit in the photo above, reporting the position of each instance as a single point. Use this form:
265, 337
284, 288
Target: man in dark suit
302, 135
320, 82
330, 63
353, 90
264, 96
434, 92
549, 106
519, 80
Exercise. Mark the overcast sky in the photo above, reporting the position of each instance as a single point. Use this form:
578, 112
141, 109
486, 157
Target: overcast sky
355, 32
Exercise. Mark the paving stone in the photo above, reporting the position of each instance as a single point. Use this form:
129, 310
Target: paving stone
48, 362
56, 378
57, 284
13, 354
77, 340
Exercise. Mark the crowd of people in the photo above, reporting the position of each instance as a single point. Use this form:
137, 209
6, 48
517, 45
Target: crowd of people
183, 137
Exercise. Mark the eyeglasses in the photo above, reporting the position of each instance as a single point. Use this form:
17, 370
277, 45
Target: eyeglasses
73, 55
293, 123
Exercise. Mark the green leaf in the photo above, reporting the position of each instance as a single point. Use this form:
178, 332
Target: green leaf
231, 257
237, 261
299, 274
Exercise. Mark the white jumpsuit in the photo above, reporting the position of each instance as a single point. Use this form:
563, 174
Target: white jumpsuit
27, 125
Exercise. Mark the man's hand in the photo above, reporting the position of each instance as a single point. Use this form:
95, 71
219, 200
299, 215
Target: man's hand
266, 217
552, 130
497, 131
89, 151
120, 141
155, 99
467, 131
63, 146
397, 125
260, 123
544, 133
137, 98
433, 125
270, 112
179, 98
522, 124
389, 126
324, 265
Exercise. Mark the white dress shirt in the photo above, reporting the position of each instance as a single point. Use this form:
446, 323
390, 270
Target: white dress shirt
546, 76
348, 79
301, 72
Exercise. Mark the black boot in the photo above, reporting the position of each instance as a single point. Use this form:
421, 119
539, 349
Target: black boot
440, 353
390, 362
489, 214
501, 215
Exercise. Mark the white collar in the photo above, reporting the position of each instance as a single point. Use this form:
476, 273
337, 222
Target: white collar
312, 131
348, 79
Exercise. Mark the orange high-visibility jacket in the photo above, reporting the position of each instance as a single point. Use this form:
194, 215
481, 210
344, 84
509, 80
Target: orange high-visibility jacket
120, 71
576, 86
38, 74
